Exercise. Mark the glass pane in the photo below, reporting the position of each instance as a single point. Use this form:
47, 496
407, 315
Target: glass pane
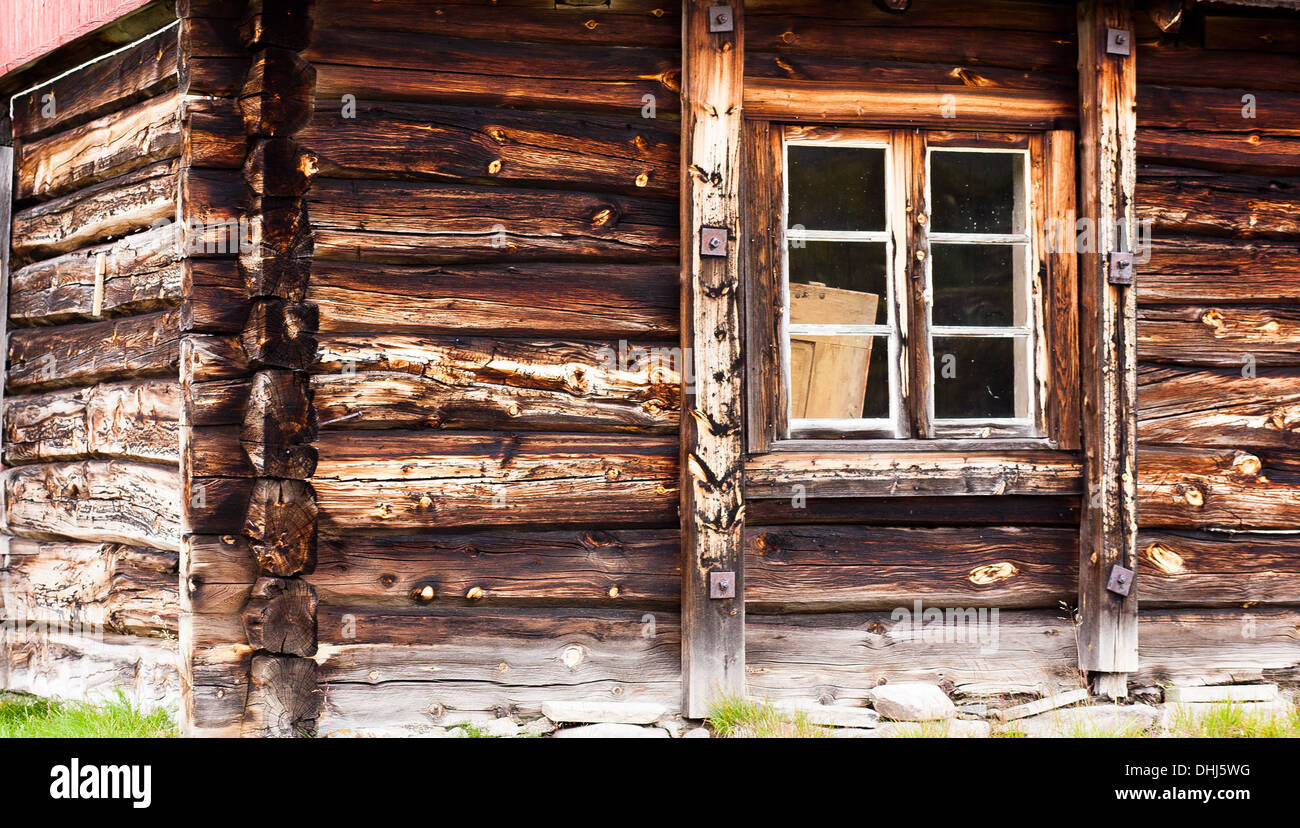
840, 283
836, 188
839, 377
975, 284
974, 377
975, 192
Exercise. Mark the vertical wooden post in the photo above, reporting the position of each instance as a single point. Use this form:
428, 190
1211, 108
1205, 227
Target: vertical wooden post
1108, 534
712, 506
6, 208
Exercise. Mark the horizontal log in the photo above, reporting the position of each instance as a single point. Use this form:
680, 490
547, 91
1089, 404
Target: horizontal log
1247, 410
1257, 151
91, 352
638, 567
214, 133
138, 420
938, 106
1186, 202
215, 661
1217, 569
214, 296
215, 451
121, 501
395, 140
1226, 336
213, 208
276, 98
377, 65
1212, 110
101, 586
216, 574
1193, 270
911, 510
92, 668
395, 480
776, 475
409, 222
1177, 64
881, 74
114, 82
422, 382
821, 568
97, 150
594, 300
1252, 34
138, 273
220, 402
215, 505
1202, 488
208, 357
131, 202
219, 77
1015, 15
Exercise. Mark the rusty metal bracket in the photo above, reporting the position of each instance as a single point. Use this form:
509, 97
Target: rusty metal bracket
1119, 42
713, 241
1121, 269
1121, 580
722, 585
721, 19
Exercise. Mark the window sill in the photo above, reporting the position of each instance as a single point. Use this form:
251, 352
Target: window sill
932, 473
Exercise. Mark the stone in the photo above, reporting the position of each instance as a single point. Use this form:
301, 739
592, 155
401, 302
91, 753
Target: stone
697, 733
503, 728
584, 712
972, 711
830, 715
611, 730
674, 726
539, 727
1223, 693
912, 701
1095, 720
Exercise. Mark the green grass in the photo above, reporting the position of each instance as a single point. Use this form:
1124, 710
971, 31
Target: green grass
1229, 721
738, 717
31, 717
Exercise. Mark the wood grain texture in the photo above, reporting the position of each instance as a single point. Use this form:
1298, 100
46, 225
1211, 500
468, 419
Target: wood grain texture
822, 475
1244, 411
1185, 270
1192, 487
135, 419
1182, 568
131, 347
1226, 336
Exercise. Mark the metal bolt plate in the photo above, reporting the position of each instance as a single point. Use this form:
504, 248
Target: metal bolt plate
1119, 42
1121, 269
1121, 580
713, 241
721, 19
722, 585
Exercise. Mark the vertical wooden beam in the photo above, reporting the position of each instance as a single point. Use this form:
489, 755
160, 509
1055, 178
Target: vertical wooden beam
6, 210
712, 507
1108, 175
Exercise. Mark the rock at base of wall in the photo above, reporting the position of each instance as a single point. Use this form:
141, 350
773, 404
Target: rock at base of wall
611, 730
580, 712
912, 701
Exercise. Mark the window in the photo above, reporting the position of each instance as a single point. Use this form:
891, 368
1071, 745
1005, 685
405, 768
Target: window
906, 295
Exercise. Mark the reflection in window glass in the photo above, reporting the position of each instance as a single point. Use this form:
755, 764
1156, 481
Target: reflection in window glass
974, 377
836, 188
975, 192
975, 284
856, 270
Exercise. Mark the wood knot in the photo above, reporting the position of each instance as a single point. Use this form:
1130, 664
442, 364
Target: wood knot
1193, 496
590, 25
612, 474
642, 180
425, 501
614, 592
992, 573
1164, 559
602, 216
1213, 318
423, 594
497, 134
787, 36
474, 593
1247, 463
494, 166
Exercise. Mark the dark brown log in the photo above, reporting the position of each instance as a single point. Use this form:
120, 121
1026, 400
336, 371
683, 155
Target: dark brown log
115, 82
1250, 152
517, 300
215, 670
1248, 207
409, 222
1223, 407
136, 346
278, 333
415, 382
1198, 488
121, 501
138, 420
217, 574
1015, 15
910, 510
395, 140
216, 505
1203, 569
213, 203
282, 697
1211, 110
206, 357
132, 202
215, 451
281, 526
1190, 271
1167, 14
214, 134
216, 403
214, 296
280, 167
211, 34
278, 95
277, 261
1229, 336
1252, 34
889, 74
279, 411
221, 77
1176, 64
281, 617
140, 273
365, 482
104, 148
573, 568
812, 569
283, 23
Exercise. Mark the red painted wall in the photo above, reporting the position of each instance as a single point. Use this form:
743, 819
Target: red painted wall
30, 28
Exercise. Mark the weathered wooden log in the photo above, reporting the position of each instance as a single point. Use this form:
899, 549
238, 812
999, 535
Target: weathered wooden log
396, 140
1251, 34
121, 501
214, 296
635, 567
215, 663
1216, 569
134, 201
214, 202
1247, 410
777, 475
1203, 203
280, 617
1257, 151
822, 568
136, 346
215, 451
214, 134
914, 510
283, 23
278, 95
282, 697
1226, 336
1014, 15
138, 419
278, 334
1207, 487
277, 261
517, 300
1167, 14
219, 77
206, 357
216, 573
279, 411
1176, 64
211, 34
142, 71
216, 505
362, 221
97, 150
280, 167
139, 273
404, 381
93, 668
442, 479
1192, 270
281, 526
220, 402
1207, 110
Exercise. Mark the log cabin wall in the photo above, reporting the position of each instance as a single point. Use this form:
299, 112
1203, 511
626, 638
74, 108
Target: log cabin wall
88, 589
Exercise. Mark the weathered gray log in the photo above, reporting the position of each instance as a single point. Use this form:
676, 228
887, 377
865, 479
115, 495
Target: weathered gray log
136, 346
137, 419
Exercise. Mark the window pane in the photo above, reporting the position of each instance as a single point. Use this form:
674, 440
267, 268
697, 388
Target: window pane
839, 377
975, 284
836, 188
975, 192
974, 377
849, 280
